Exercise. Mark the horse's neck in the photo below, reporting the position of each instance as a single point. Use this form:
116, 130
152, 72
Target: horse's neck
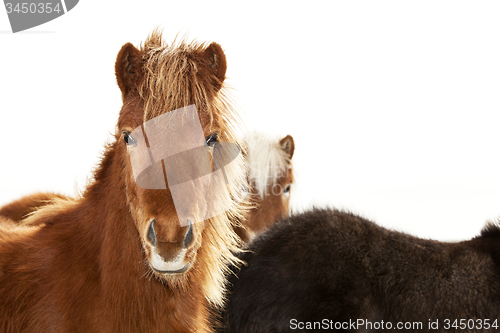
106, 201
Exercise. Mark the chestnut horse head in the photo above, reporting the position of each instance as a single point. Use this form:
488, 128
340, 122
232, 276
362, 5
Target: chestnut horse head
147, 244
270, 178
174, 120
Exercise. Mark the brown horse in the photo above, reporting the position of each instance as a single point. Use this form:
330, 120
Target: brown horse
118, 258
270, 179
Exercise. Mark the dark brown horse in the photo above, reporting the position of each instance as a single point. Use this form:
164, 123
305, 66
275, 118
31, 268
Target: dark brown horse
119, 258
331, 270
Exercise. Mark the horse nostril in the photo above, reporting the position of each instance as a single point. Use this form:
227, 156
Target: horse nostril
152, 233
188, 238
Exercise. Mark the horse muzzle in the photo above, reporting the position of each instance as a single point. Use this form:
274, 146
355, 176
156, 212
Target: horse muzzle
169, 257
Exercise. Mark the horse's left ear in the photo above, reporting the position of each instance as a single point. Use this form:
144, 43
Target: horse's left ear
288, 145
128, 68
216, 62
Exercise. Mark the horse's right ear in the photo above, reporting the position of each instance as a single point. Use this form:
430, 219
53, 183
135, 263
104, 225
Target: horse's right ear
288, 145
128, 68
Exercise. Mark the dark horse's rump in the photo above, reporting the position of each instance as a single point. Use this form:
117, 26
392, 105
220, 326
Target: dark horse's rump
333, 267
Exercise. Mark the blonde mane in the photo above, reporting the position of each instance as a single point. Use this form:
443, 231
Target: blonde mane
267, 161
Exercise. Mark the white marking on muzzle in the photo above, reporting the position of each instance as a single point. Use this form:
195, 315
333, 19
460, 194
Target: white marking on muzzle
178, 265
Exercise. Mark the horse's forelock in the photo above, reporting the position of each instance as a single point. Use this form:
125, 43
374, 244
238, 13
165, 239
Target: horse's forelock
176, 76
268, 161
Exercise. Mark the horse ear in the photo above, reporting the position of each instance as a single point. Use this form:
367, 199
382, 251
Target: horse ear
128, 68
216, 62
288, 145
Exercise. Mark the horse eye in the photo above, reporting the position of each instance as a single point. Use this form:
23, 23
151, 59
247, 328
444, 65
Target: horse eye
287, 189
212, 139
129, 140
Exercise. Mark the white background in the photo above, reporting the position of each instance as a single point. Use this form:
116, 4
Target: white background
394, 105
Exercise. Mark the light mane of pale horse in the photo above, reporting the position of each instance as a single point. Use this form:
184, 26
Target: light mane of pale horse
266, 159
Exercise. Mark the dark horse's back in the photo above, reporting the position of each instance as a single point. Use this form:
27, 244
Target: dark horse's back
331, 270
